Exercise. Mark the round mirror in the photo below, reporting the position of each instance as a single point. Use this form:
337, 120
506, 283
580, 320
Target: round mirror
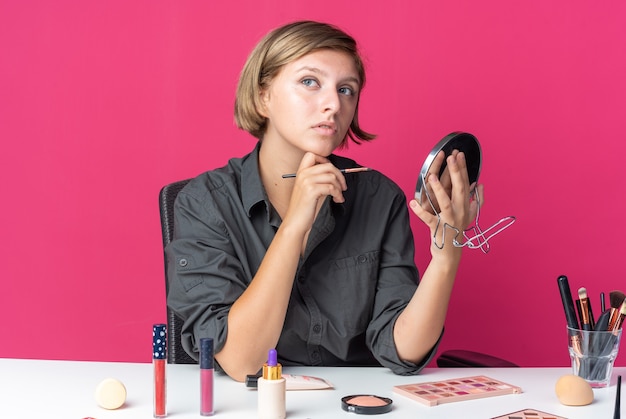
461, 141
474, 237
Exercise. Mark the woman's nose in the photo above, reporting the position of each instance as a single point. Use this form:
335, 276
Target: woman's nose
331, 101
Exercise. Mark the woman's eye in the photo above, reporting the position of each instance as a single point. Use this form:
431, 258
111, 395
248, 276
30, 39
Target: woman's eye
348, 91
310, 82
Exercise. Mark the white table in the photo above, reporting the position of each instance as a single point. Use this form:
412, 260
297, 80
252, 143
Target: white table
65, 389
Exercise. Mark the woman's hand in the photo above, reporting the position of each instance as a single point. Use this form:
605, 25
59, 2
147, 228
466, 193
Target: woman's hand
315, 179
432, 205
454, 198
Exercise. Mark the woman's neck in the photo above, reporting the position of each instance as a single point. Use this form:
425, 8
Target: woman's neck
273, 163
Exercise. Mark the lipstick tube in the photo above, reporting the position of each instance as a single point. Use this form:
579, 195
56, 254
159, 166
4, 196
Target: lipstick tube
206, 377
272, 389
159, 346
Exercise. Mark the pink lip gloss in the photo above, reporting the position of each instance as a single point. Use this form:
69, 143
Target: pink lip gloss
206, 377
159, 344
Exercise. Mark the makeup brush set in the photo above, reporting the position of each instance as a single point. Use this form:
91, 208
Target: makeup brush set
593, 343
610, 320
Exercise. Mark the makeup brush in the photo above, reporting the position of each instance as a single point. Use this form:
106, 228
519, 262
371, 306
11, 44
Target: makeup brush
617, 413
616, 299
348, 170
586, 318
568, 303
603, 321
579, 310
620, 318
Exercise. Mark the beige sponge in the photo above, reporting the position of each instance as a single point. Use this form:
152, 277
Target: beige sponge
110, 394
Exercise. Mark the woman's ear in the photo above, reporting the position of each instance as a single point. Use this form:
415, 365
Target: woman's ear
262, 102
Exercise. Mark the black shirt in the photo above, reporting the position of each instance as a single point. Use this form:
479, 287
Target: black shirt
356, 276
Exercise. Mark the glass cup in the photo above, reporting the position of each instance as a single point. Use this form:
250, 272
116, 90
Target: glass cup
593, 353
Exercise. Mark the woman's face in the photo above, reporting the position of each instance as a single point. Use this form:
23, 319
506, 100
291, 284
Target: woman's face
310, 104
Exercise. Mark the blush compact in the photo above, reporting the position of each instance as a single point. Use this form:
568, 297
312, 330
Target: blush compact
366, 404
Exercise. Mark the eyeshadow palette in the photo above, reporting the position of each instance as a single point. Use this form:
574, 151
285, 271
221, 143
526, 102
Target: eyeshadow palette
455, 390
529, 414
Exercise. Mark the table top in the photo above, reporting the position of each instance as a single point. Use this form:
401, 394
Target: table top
65, 389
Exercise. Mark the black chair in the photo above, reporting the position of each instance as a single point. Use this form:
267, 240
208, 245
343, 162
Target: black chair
460, 358
176, 354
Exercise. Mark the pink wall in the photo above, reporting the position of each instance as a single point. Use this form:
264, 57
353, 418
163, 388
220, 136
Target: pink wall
101, 103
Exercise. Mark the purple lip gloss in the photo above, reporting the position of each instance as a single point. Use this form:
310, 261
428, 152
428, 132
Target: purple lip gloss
206, 377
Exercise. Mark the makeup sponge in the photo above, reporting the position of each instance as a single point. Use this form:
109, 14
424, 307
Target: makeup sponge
573, 390
110, 394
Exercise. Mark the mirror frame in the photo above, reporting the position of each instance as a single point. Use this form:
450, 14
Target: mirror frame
458, 140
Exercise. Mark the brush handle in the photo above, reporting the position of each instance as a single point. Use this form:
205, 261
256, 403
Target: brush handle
582, 307
618, 396
592, 319
568, 302
603, 321
613, 318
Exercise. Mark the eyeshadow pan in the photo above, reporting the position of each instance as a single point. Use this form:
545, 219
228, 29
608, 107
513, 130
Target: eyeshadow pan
458, 389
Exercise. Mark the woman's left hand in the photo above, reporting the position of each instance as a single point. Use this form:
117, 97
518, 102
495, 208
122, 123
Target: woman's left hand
457, 206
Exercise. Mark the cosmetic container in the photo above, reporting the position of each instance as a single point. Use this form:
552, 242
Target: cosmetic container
206, 377
272, 390
159, 345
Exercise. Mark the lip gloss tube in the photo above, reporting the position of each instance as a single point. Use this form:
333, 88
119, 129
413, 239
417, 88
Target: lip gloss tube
206, 377
159, 345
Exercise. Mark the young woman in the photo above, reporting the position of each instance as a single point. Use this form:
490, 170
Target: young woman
320, 265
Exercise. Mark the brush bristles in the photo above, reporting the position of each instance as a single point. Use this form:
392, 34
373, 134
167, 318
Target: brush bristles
582, 293
622, 309
616, 298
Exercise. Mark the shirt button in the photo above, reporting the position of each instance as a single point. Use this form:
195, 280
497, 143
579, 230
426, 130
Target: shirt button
182, 262
315, 355
361, 258
317, 328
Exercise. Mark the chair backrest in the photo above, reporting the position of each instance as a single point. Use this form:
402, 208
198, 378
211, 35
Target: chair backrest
175, 352
460, 358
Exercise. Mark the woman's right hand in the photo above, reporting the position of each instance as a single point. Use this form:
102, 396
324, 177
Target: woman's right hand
315, 179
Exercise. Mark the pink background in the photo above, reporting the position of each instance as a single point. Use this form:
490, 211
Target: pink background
104, 102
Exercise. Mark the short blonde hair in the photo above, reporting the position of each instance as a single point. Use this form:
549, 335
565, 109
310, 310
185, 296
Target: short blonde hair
280, 47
